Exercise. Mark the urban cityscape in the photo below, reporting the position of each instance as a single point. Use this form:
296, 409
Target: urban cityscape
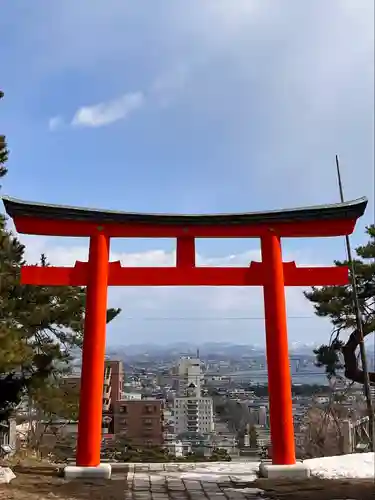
214, 399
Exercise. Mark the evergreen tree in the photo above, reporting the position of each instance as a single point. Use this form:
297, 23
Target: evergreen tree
39, 325
336, 303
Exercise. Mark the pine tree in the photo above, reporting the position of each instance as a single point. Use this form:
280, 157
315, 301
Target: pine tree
336, 303
39, 325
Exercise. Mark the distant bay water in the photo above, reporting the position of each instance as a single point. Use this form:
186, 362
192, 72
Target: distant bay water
310, 377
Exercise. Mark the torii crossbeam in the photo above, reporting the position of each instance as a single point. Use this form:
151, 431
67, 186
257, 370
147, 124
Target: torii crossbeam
271, 273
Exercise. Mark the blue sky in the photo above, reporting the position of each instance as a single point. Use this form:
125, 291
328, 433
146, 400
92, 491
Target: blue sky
173, 106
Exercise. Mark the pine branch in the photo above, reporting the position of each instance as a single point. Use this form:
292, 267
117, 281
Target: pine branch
336, 303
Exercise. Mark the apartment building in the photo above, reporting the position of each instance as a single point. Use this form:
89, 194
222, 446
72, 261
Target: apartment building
193, 413
140, 421
189, 372
113, 385
372, 393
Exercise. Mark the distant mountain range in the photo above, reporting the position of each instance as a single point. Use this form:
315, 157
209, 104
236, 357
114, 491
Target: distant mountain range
216, 348
213, 350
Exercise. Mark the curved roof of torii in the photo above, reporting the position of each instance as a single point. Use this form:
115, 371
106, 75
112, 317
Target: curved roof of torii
338, 211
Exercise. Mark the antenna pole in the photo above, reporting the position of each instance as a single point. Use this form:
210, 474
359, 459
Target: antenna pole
359, 322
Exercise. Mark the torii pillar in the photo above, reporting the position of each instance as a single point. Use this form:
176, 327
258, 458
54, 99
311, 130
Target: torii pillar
279, 377
93, 354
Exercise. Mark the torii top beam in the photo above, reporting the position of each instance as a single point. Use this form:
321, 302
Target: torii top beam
58, 220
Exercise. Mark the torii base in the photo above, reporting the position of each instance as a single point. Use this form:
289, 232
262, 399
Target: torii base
102, 471
298, 470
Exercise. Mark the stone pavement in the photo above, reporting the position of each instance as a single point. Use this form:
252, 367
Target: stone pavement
194, 481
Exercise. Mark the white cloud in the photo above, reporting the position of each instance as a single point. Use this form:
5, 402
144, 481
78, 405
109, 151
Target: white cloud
108, 112
55, 123
162, 91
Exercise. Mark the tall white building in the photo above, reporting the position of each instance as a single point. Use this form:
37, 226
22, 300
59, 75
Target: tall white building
193, 414
189, 372
192, 411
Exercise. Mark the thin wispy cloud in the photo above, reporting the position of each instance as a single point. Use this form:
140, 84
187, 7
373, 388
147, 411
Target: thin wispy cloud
55, 123
165, 87
105, 113
162, 91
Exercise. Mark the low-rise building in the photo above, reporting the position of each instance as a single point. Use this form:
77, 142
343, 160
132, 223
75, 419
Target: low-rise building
139, 421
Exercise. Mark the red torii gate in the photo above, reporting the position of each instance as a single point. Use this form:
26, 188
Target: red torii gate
98, 273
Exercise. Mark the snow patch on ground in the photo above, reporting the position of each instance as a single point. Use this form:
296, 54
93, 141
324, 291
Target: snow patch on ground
6, 475
245, 471
249, 491
360, 465
217, 472
357, 465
